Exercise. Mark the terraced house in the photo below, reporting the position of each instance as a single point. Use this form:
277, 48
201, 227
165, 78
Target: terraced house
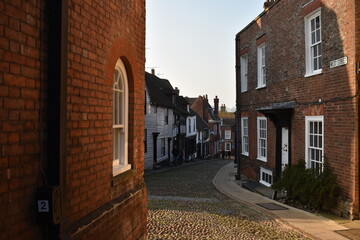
72, 120
297, 67
169, 122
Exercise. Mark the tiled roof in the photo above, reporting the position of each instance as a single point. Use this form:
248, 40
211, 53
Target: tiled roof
226, 115
200, 123
181, 105
228, 121
159, 90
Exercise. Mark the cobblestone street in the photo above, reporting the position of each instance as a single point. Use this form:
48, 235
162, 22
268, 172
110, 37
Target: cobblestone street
183, 204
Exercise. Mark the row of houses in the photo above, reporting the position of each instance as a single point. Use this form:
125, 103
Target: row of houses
72, 147
189, 124
298, 68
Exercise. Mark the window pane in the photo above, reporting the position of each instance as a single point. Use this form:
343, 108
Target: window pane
315, 64
316, 127
312, 24
116, 143
317, 20
116, 107
318, 39
120, 111
320, 127
313, 38
312, 154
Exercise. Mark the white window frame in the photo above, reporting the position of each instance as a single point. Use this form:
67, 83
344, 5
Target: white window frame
120, 119
245, 135
261, 66
313, 42
228, 147
314, 142
244, 72
227, 134
266, 177
262, 139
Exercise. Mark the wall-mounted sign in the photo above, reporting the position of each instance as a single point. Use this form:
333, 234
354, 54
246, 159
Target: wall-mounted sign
338, 62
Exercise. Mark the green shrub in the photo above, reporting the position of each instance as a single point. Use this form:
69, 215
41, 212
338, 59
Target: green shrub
316, 189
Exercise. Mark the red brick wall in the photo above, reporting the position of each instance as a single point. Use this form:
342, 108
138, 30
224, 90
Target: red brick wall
19, 118
283, 26
96, 205
101, 32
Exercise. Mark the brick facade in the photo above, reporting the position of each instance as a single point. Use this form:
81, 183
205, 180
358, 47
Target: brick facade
94, 204
332, 94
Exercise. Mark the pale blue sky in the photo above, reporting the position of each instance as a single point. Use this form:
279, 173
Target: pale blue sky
192, 43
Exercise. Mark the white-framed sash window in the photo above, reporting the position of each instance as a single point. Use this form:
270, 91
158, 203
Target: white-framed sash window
266, 177
261, 78
120, 119
262, 138
314, 142
313, 43
227, 134
244, 72
227, 147
245, 135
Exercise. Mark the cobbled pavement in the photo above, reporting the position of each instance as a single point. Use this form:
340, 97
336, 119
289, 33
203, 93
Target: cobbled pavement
183, 204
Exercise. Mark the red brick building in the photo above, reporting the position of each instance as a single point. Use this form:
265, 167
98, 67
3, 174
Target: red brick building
298, 92
72, 122
211, 116
227, 131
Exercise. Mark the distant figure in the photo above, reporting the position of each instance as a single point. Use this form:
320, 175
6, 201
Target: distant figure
229, 154
175, 153
222, 154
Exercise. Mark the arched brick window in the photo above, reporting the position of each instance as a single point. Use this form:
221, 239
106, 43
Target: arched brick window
120, 119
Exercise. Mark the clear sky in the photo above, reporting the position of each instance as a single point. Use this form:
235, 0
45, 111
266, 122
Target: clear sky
192, 44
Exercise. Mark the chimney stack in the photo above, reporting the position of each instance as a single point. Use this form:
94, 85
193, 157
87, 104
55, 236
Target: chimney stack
223, 108
177, 91
268, 3
216, 106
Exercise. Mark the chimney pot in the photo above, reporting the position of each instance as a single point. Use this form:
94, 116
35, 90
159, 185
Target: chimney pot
153, 71
268, 3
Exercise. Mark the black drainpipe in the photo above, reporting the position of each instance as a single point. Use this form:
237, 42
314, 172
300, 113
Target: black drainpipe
238, 112
57, 27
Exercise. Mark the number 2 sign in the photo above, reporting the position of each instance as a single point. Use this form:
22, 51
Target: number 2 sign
43, 206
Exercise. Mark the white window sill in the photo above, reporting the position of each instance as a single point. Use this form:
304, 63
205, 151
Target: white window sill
161, 158
317, 72
265, 183
245, 154
244, 91
262, 159
118, 169
260, 87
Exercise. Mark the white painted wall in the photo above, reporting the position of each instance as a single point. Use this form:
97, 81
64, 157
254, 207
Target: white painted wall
155, 122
